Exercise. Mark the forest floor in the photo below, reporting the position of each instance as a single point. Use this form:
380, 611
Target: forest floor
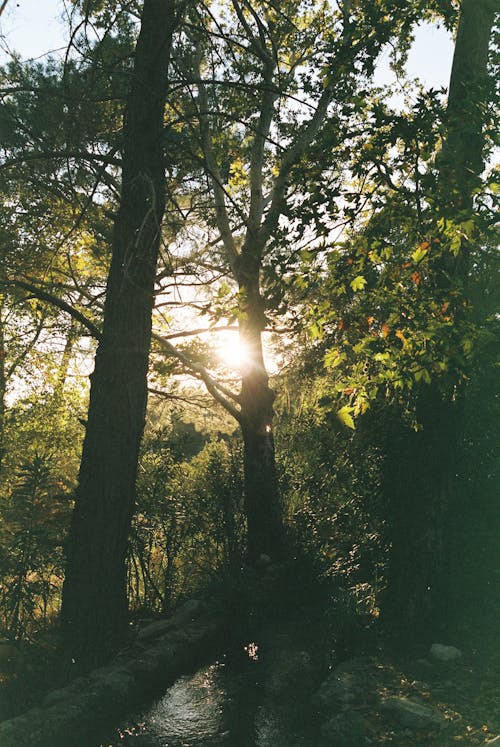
465, 692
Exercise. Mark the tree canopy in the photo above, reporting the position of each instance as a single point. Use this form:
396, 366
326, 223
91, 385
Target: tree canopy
189, 173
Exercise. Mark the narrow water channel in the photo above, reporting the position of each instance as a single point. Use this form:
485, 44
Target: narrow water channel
221, 705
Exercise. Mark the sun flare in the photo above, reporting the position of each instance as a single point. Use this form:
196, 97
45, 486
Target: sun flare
234, 354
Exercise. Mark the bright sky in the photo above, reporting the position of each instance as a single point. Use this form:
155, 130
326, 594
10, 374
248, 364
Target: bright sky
34, 27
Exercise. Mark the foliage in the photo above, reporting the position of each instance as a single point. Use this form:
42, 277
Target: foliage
188, 526
49, 425
34, 515
331, 484
390, 307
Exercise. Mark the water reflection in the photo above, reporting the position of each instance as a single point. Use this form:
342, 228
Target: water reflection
222, 705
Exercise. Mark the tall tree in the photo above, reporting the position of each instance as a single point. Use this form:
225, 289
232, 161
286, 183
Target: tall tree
94, 611
268, 89
398, 315
424, 487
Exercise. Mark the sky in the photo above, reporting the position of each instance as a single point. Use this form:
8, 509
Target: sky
34, 27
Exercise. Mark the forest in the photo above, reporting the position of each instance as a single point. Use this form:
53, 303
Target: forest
249, 355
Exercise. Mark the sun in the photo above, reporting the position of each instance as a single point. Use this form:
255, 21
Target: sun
233, 354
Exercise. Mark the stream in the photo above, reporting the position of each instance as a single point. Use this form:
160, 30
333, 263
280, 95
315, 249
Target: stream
222, 705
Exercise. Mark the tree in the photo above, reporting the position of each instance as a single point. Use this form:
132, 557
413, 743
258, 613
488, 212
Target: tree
426, 491
400, 320
58, 196
94, 611
267, 90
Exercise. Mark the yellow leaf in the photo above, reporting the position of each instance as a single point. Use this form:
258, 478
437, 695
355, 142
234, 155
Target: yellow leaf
358, 283
345, 417
420, 252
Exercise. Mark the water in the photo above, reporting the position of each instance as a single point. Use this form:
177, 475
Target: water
221, 705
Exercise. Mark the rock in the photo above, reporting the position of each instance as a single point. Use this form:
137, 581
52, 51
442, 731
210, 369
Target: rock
495, 741
357, 666
343, 686
190, 610
332, 692
343, 730
289, 671
115, 682
413, 715
55, 697
439, 652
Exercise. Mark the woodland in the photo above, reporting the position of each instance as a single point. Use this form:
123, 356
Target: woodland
248, 321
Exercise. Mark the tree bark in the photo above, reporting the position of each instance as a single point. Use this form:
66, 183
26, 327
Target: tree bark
461, 162
94, 609
63, 370
421, 481
262, 499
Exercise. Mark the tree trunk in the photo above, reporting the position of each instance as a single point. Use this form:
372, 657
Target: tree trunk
421, 481
63, 370
262, 500
461, 162
94, 609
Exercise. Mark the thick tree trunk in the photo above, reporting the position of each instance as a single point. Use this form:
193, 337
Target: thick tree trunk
262, 500
421, 481
94, 611
419, 485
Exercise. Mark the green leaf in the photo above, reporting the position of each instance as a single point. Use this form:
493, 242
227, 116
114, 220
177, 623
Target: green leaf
334, 358
467, 227
358, 283
345, 417
422, 375
455, 244
316, 330
467, 346
359, 347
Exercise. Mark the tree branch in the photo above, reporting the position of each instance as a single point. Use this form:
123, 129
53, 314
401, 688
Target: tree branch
219, 392
215, 176
290, 158
269, 96
200, 331
44, 295
53, 154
